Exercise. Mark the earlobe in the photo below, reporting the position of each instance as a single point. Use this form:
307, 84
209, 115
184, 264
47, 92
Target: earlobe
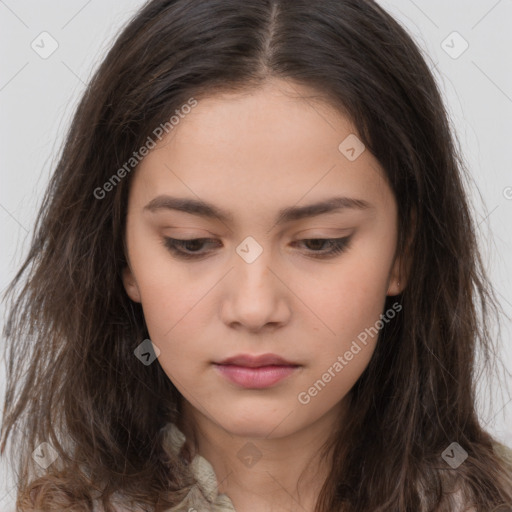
399, 275
130, 285
396, 281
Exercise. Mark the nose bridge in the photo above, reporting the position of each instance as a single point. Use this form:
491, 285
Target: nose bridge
252, 265
254, 297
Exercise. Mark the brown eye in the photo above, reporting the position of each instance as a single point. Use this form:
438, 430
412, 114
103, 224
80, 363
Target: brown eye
335, 246
191, 249
187, 248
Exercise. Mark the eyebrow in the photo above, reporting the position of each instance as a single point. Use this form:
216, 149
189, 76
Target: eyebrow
289, 214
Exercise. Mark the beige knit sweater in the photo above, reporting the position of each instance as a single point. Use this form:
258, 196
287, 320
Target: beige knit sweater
203, 496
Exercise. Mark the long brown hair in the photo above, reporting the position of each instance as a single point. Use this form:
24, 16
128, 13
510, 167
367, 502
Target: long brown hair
73, 379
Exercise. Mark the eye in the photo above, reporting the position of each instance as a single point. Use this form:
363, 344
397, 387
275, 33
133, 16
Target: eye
177, 246
335, 246
191, 249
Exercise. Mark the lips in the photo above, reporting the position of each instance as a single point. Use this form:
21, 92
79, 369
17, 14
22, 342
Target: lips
249, 361
260, 377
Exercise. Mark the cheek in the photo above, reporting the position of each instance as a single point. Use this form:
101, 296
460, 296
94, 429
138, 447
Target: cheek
344, 349
177, 310
165, 290
171, 310
343, 343
348, 300
175, 326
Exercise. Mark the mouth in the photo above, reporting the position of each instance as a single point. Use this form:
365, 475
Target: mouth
256, 377
256, 361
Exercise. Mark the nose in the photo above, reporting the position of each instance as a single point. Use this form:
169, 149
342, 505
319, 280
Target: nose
255, 296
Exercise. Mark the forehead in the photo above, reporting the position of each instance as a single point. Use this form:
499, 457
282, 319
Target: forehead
271, 147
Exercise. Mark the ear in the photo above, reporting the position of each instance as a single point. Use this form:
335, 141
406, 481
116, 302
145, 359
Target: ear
130, 284
402, 265
397, 278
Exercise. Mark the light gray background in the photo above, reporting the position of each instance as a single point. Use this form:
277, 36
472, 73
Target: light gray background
38, 97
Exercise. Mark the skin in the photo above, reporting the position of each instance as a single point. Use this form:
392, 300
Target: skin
253, 154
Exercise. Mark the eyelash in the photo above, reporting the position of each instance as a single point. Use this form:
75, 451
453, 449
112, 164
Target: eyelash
338, 245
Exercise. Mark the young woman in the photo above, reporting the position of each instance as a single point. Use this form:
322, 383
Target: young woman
255, 283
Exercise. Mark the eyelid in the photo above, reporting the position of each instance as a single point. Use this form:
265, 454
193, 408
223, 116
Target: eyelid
338, 245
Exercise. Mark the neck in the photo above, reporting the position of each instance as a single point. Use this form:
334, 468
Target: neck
281, 471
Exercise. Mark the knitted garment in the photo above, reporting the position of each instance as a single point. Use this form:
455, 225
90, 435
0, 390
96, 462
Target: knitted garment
203, 496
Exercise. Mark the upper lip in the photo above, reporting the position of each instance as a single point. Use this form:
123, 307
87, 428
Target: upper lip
256, 361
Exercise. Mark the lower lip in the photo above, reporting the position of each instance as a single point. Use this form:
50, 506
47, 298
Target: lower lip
256, 378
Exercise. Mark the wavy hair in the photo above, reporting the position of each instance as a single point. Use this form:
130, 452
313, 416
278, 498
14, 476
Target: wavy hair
71, 332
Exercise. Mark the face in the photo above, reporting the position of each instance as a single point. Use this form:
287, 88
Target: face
268, 276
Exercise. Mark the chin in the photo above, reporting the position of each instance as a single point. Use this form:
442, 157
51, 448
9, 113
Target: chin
258, 424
